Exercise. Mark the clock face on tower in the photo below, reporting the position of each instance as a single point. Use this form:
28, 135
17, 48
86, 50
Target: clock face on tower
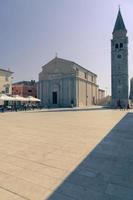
119, 56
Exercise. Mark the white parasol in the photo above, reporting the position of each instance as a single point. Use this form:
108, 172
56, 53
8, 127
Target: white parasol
30, 98
19, 98
5, 97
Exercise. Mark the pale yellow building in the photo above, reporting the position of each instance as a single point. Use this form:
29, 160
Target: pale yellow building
63, 83
5, 81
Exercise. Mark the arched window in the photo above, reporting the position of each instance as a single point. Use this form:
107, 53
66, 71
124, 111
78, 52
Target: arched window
7, 90
121, 45
116, 46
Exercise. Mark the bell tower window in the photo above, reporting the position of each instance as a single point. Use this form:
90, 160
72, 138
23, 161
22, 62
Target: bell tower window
116, 46
121, 45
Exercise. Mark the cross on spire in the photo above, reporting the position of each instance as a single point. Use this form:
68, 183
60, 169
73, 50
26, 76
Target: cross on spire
56, 55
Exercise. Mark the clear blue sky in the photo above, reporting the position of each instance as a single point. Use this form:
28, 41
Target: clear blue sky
32, 31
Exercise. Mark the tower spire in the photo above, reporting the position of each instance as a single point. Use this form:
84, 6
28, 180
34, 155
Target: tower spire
119, 24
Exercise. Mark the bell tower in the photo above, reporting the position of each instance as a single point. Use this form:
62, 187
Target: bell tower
119, 63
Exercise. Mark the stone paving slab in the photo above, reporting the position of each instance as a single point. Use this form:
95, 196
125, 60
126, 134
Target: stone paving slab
107, 172
39, 151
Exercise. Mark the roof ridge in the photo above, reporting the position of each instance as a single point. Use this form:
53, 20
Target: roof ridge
72, 63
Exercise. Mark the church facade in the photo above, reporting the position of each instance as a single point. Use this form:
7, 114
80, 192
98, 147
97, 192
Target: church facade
63, 83
119, 63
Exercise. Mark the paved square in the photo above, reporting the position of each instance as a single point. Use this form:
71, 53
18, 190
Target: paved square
38, 150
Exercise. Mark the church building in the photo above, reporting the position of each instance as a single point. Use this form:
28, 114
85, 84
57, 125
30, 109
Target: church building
63, 83
119, 63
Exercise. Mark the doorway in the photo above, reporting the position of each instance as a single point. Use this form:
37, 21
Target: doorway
54, 94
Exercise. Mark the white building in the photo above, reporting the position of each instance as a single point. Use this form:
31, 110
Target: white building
5, 81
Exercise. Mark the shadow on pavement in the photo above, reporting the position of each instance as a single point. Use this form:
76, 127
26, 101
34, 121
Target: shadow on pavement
107, 172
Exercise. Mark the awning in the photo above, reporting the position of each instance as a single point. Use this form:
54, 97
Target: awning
5, 97
30, 98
